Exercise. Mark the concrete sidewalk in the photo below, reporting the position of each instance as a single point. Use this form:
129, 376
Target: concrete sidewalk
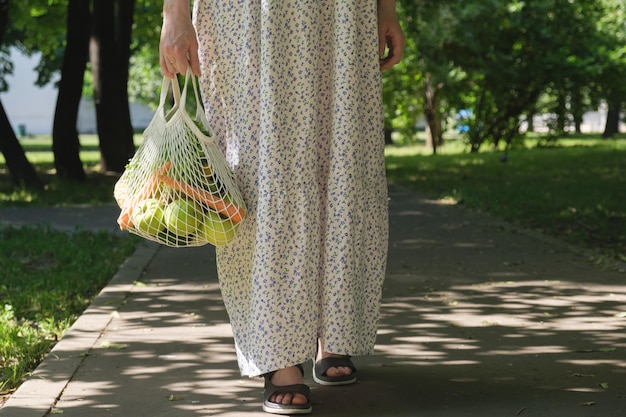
479, 320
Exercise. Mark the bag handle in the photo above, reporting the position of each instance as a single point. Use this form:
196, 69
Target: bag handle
180, 97
196, 92
180, 101
194, 85
168, 84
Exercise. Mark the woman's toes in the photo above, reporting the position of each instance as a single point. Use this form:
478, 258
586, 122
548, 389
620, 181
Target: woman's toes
277, 398
298, 399
338, 371
287, 376
288, 398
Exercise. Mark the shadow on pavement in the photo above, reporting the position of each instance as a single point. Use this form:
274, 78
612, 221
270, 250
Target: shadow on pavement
478, 319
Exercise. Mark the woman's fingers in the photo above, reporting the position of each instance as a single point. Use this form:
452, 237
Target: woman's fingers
390, 36
395, 47
178, 48
177, 62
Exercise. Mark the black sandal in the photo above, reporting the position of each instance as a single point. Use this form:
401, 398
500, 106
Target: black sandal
286, 409
321, 367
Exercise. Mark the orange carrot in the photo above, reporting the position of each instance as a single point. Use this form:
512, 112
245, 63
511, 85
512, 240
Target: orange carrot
124, 220
229, 210
150, 187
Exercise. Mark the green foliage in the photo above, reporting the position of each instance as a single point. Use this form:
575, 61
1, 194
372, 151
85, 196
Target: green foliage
611, 51
514, 51
573, 191
145, 74
401, 86
144, 84
47, 278
38, 26
498, 58
6, 68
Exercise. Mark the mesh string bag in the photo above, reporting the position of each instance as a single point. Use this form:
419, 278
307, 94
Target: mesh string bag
178, 189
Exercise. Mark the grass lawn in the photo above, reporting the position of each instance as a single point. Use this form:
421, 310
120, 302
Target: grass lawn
47, 278
575, 190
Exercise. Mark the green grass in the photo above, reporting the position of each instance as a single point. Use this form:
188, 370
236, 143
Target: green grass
575, 191
47, 278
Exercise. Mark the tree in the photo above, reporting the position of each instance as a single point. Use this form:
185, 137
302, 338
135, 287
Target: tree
110, 54
497, 58
438, 75
145, 78
60, 31
424, 80
501, 50
20, 169
400, 93
22, 172
48, 28
612, 51
512, 51
65, 141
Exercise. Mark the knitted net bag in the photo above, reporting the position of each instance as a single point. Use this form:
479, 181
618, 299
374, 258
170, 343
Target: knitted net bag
178, 189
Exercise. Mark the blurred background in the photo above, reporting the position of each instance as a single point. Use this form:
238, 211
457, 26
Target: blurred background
486, 72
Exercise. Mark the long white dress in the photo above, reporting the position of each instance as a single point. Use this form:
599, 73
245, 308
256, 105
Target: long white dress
292, 89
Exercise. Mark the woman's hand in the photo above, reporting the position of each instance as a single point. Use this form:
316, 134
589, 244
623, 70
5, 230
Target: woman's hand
390, 36
179, 45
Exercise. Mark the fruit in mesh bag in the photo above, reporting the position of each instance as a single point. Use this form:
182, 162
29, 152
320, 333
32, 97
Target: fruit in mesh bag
223, 206
182, 216
151, 188
216, 230
147, 216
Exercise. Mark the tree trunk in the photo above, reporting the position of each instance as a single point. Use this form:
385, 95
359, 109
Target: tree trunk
65, 142
577, 110
434, 134
612, 120
578, 122
126, 11
531, 123
109, 52
561, 114
22, 172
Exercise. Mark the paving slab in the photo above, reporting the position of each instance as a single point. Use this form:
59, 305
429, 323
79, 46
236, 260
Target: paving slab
479, 319
65, 218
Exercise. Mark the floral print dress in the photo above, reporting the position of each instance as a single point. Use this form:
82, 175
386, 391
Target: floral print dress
292, 89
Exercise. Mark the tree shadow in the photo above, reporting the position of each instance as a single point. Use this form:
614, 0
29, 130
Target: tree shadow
478, 319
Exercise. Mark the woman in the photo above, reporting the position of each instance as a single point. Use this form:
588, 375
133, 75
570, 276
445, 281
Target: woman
292, 91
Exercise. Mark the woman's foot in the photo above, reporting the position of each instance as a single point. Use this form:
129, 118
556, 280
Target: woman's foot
332, 369
288, 376
286, 393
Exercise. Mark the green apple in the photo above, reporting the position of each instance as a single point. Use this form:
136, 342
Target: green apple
147, 216
182, 217
217, 230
